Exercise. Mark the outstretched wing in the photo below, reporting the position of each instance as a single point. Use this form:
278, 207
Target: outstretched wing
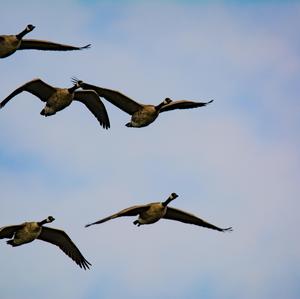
9, 231
131, 211
36, 86
183, 105
115, 97
178, 215
35, 44
62, 240
91, 100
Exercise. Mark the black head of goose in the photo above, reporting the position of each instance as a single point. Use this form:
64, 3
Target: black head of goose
11, 43
153, 212
141, 115
29, 231
57, 99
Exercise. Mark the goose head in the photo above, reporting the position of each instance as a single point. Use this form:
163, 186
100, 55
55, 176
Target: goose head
50, 219
25, 31
170, 198
167, 101
76, 81
77, 84
29, 27
173, 196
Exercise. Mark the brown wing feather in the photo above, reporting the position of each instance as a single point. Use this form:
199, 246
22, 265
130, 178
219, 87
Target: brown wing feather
9, 231
116, 98
183, 105
63, 241
131, 211
91, 100
178, 215
35, 44
37, 87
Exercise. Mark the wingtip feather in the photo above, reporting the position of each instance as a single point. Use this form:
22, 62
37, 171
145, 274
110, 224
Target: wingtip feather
86, 47
228, 229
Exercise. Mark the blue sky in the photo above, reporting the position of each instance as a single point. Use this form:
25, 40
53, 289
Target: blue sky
234, 163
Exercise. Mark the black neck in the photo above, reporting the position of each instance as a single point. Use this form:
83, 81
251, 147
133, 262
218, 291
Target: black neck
72, 89
22, 34
165, 203
158, 107
43, 222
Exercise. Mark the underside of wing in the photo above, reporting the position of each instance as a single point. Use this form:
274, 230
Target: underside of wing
131, 211
116, 98
183, 105
91, 100
178, 215
37, 87
9, 231
34, 44
63, 241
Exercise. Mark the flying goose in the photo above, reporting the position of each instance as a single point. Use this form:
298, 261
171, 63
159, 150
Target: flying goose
152, 212
29, 231
141, 115
59, 98
9, 44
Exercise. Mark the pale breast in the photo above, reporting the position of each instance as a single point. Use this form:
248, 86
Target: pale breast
28, 233
8, 45
144, 116
153, 214
60, 99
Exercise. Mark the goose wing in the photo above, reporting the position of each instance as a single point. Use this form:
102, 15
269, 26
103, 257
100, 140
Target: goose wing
116, 98
175, 214
131, 211
62, 240
92, 101
35, 44
9, 231
36, 86
183, 105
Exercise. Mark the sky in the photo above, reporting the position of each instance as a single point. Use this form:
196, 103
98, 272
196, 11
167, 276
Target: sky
233, 163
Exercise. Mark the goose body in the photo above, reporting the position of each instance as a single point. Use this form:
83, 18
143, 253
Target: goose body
29, 231
153, 212
141, 115
57, 99
9, 44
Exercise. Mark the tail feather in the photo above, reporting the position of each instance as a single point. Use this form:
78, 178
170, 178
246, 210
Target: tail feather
11, 242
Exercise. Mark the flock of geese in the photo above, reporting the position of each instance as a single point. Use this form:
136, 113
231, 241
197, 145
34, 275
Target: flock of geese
57, 99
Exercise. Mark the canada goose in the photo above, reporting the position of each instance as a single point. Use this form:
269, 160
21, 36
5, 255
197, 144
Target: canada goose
9, 44
29, 231
152, 212
59, 98
141, 115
